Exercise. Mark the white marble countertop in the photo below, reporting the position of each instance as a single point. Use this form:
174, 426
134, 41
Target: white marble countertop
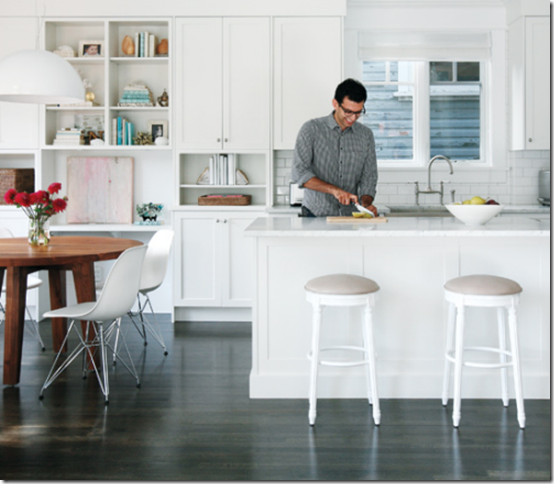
504, 226
508, 209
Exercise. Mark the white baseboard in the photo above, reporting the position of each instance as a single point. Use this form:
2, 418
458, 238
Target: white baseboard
213, 314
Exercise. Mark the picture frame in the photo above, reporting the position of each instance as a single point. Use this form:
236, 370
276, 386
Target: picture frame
157, 128
91, 48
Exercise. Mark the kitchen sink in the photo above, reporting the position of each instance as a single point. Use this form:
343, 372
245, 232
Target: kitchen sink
417, 211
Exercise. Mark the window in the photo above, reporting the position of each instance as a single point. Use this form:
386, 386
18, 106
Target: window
419, 109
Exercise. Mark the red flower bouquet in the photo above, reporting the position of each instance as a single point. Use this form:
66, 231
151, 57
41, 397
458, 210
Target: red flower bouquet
39, 207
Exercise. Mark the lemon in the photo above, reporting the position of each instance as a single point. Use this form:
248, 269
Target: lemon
360, 215
477, 201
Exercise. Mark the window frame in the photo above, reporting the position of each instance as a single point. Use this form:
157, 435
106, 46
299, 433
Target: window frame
421, 114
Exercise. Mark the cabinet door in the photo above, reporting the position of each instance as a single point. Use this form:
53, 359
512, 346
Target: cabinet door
307, 70
246, 82
237, 262
198, 260
537, 83
198, 83
18, 122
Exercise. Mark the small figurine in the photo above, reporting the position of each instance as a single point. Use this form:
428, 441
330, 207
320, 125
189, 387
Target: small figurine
149, 211
163, 100
143, 139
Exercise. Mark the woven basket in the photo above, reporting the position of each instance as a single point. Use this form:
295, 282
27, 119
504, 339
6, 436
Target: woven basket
22, 179
225, 200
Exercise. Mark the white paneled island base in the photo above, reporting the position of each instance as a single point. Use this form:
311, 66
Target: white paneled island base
411, 259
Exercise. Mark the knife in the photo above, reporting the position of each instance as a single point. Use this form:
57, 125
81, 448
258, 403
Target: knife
363, 209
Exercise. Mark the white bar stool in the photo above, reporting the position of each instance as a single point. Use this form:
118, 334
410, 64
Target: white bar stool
343, 290
482, 291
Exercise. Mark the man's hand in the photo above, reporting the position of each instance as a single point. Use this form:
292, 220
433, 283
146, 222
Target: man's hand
367, 202
344, 197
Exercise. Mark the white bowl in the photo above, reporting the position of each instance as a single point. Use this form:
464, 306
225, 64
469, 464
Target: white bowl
474, 214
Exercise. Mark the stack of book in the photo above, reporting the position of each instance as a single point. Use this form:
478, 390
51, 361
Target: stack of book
145, 44
122, 131
222, 169
136, 95
69, 136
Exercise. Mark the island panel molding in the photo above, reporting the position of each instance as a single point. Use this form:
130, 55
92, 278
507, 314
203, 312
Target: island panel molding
411, 260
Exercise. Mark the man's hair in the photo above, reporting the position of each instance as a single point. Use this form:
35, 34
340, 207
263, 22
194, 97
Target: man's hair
352, 88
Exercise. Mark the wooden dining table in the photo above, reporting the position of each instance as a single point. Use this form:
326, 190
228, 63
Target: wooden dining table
64, 253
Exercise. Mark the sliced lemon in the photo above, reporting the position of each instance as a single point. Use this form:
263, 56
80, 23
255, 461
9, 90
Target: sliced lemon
361, 215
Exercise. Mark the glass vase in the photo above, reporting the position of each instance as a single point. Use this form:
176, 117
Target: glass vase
39, 232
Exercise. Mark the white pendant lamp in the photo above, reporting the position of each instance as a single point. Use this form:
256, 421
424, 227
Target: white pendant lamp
39, 77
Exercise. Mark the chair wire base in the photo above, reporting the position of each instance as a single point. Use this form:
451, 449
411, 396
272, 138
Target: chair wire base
144, 325
96, 337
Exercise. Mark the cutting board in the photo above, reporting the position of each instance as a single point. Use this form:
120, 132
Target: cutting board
354, 220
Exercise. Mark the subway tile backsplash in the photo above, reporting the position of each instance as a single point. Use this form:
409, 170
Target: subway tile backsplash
521, 188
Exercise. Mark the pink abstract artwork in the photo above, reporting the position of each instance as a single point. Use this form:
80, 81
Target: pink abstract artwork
100, 190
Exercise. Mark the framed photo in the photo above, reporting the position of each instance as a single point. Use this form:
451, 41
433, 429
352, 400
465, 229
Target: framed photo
158, 127
91, 48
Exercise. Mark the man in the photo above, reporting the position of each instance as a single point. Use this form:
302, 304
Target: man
334, 157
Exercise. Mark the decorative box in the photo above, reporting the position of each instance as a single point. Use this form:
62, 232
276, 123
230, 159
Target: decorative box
22, 179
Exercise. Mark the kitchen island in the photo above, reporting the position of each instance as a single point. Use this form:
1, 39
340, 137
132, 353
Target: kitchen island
410, 258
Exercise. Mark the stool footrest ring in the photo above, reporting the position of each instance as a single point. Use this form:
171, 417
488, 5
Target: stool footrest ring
341, 363
450, 357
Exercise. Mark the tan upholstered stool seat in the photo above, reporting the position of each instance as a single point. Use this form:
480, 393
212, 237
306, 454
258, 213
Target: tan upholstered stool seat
483, 285
342, 284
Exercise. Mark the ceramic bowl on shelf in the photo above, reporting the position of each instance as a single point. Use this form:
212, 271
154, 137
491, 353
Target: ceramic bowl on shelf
474, 215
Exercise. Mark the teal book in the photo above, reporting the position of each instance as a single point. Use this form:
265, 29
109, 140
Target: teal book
119, 138
130, 133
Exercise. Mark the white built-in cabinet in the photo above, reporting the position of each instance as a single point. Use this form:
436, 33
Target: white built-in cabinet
529, 49
18, 122
223, 88
307, 65
215, 261
107, 76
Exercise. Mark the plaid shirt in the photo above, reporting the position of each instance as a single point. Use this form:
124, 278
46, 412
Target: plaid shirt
345, 159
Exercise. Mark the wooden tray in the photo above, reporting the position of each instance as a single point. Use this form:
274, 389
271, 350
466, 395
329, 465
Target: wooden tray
225, 200
354, 220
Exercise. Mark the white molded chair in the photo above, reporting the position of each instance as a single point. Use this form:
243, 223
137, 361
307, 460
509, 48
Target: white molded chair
32, 283
115, 301
482, 291
343, 290
152, 277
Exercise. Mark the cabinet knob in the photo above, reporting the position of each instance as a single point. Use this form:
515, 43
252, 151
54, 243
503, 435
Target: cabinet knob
224, 221
530, 140
226, 140
217, 221
218, 140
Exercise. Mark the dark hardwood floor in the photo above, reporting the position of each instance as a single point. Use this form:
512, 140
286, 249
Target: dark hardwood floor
192, 420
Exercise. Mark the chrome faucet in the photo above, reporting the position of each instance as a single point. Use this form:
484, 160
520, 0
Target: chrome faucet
429, 189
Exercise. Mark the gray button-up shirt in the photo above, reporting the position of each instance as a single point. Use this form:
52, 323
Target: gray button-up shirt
345, 159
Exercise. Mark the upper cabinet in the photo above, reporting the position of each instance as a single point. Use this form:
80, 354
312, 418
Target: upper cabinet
18, 121
307, 69
223, 83
529, 49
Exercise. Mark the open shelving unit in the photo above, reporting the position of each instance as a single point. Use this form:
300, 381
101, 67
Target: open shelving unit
253, 164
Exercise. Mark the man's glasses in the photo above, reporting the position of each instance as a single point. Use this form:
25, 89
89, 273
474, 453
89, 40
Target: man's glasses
349, 113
